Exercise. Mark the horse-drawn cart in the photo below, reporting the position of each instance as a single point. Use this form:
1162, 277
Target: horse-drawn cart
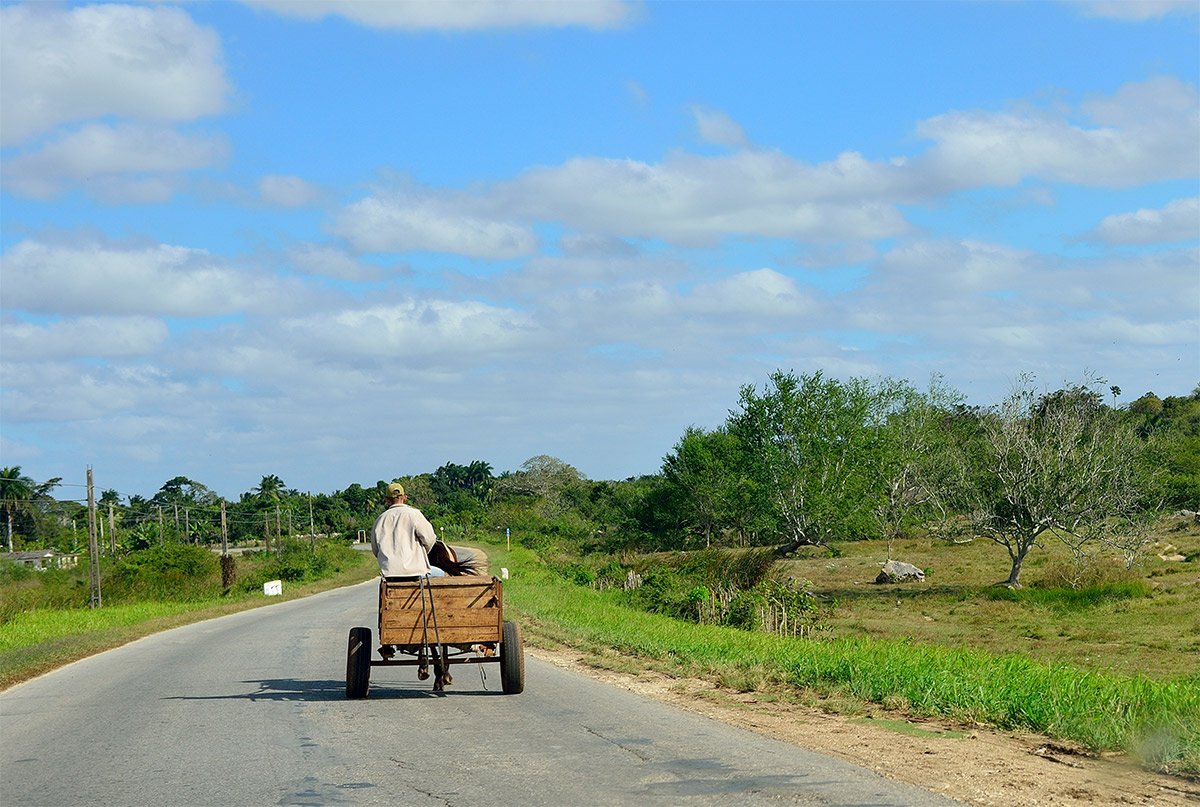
443, 621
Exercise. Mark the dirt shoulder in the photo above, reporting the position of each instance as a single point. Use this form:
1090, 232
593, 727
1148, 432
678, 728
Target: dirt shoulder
974, 765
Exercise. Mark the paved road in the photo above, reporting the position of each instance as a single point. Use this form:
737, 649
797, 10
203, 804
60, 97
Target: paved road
249, 709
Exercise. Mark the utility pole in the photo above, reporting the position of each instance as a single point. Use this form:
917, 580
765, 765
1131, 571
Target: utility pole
278, 531
187, 527
93, 544
161, 529
227, 570
312, 532
112, 531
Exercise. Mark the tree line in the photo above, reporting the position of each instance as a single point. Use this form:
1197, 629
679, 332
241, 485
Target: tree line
805, 460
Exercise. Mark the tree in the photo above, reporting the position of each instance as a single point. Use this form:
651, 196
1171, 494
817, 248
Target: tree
547, 479
702, 467
1172, 424
18, 493
183, 492
461, 488
270, 488
1062, 463
818, 447
480, 480
915, 466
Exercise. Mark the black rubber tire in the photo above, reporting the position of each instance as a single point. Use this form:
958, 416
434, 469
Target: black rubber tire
512, 660
358, 663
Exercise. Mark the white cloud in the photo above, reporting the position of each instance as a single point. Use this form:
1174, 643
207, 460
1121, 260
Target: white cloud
287, 191
97, 278
597, 246
698, 200
716, 127
930, 269
1148, 131
327, 261
63, 390
1136, 10
413, 331
403, 223
1177, 221
998, 311
71, 64
104, 337
99, 157
638, 93
460, 15
755, 296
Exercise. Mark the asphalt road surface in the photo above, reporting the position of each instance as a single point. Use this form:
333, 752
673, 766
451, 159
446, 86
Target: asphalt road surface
250, 709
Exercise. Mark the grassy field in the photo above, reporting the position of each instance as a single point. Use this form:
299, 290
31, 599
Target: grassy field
1145, 623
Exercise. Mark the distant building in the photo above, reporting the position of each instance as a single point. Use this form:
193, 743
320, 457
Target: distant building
44, 559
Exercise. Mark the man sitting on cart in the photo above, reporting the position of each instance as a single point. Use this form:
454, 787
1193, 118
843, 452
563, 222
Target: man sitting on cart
402, 537
401, 540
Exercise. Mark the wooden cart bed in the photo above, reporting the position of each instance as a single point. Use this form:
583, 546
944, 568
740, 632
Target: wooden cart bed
467, 610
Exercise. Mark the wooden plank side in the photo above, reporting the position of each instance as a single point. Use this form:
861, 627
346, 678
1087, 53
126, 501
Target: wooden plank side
450, 633
445, 598
457, 636
468, 610
483, 625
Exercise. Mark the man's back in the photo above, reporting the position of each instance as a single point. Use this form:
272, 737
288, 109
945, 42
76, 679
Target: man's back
400, 540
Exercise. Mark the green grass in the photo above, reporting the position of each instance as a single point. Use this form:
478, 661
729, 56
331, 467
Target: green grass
37, 640
1158, 721
1145, 622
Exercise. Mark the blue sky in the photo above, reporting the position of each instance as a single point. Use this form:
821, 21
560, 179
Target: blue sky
342, 242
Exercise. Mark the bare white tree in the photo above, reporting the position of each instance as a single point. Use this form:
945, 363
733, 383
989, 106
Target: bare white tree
1059, 463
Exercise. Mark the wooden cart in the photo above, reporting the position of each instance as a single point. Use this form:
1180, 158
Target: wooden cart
451, 620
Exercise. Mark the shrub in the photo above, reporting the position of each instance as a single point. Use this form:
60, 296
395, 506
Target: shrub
167, 571
296, 562
774, 606
11, 572
24, 589
727, 587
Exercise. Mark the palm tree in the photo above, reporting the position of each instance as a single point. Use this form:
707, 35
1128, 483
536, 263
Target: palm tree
18, 492
269, 488
479, 479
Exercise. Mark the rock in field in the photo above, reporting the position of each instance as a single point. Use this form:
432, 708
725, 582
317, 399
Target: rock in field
897, 571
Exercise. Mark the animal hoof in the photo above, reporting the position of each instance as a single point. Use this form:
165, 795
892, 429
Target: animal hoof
422, 673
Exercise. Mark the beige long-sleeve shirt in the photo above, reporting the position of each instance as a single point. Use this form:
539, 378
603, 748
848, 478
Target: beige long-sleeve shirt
401, 540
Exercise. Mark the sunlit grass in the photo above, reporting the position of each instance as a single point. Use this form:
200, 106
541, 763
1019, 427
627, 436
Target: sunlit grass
32, 627
38, 640
1156, 720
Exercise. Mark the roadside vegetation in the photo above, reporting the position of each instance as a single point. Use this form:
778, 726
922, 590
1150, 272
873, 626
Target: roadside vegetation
1154, 719
1054, 538
46, 621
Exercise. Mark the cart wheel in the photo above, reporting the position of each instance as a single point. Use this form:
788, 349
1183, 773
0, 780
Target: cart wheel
512, 660
358, 663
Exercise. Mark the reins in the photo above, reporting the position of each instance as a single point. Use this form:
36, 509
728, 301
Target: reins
440, 668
